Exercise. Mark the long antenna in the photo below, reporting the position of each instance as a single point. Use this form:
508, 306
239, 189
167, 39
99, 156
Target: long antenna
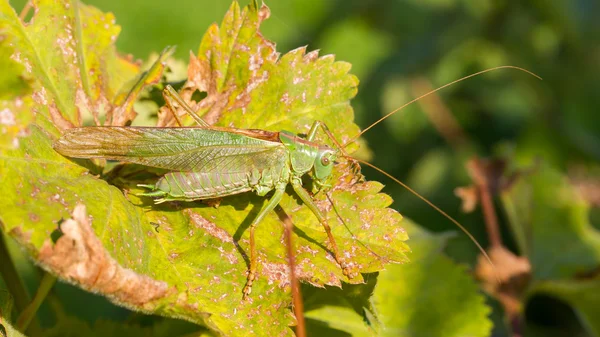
487, 257
433, 91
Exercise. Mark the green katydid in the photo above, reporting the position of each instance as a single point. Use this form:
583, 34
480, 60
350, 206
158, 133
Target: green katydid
210, 162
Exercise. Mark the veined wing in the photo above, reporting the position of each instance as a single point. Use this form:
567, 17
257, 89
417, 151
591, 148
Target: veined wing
178, 149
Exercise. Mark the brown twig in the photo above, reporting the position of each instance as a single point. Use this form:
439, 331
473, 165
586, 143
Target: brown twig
27, 315
486, 177
480, 177
514, 271
288, 227
28, 6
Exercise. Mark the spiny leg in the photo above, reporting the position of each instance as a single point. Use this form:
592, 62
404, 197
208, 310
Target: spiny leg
308, 201
170, 96
275, 199
313, 133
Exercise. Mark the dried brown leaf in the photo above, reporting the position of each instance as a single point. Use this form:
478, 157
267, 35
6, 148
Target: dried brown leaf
507, 279
78, 256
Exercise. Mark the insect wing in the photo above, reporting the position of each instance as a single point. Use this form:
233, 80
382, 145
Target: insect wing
178, 149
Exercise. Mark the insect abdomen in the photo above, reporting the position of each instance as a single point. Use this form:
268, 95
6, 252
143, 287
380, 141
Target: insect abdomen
196, 185
200, 185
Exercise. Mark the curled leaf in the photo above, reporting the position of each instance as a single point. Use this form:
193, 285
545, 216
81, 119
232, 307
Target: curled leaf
78, 256
507, 279
191, 258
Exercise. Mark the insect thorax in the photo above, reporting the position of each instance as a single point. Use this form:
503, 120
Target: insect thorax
302, 153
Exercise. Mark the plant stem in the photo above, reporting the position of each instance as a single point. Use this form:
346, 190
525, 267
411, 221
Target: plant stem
28, 6
481, 179
288, 227
14, 284
48, 281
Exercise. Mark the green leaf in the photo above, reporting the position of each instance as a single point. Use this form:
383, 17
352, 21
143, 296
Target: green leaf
546, 212
334, 321
68, 48
70, 326
186, 260
74, 68
6, 327
12, 81
338, 312
432, 296
581, 294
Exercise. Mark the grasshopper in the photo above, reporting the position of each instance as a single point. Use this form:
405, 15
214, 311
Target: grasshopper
209, 162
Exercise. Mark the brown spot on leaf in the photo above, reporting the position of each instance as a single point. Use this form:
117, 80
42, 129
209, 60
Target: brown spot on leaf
209, 227
201, 78
58, 119
312, 56
79, 257
198, 73
7, 117
19, 235
84, 107
276, 273
263, 13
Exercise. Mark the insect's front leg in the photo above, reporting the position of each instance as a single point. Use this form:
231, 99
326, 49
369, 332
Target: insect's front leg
308, 201
312, 133
275, 199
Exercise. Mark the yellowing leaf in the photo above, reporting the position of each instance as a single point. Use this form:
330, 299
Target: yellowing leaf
186, 260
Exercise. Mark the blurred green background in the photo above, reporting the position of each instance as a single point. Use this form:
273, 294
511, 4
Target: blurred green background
400, 49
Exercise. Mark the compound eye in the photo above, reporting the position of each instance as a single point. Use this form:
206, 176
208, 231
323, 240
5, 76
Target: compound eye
325, 160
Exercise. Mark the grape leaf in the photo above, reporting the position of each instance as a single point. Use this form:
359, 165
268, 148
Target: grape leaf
432, 296
547, 212
73, 69
12, 81
184, 260
57, 50
69, 326
6, 304
435, 296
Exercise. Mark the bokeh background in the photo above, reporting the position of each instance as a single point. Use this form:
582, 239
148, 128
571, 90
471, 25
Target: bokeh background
402, 48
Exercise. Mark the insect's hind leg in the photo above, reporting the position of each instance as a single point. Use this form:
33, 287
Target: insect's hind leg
171, 96
307, 200
275, 199
153, 192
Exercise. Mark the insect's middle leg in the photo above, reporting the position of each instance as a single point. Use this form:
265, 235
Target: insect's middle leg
308, 201
275, 199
